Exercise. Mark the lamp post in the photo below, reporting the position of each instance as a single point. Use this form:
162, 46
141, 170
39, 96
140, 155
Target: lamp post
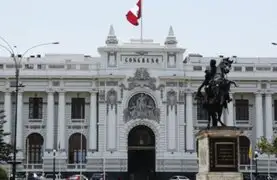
17, 58
256, 155
54, 164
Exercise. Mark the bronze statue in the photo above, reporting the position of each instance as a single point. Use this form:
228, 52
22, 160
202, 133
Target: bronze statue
217, 88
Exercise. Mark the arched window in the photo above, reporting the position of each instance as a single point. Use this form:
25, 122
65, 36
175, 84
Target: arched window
141, 136
77, 149
34, 148
244, 145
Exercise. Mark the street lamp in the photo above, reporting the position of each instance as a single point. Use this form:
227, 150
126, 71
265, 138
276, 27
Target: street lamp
274, 43
17, 58
256, 155
54, 164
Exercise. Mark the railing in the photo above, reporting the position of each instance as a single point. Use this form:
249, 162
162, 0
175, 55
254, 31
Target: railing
76, 166
259, 177
81, 120
33, 166
58, 66
36, 120
261, 169
246, 168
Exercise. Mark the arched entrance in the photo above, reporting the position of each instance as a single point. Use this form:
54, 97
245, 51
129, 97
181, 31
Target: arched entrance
141, 153
244, 144
34, 148
77, 149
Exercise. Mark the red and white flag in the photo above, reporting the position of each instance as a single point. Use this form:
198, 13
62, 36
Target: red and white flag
134, 14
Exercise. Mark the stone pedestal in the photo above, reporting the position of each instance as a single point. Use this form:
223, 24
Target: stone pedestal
218, 153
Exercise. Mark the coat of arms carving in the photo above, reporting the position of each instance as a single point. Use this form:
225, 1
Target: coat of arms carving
142, 79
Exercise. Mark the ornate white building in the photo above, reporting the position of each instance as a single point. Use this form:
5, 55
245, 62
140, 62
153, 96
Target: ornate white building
130, 110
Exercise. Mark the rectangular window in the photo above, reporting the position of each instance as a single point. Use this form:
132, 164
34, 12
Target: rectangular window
237, 68
35, 154
249, 68
201, 113
244, 155
78, 108
242, 110
197, 68
35, 108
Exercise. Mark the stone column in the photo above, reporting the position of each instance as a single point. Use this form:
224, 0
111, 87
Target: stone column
268, 116
189, 122
230, 114
61, 121
93, 122
50, 122
259, 115
8, 118
19, 127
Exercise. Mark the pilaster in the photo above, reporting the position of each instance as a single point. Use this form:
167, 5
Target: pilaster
189, 122
230, 114
19, 127
50, 121
268, 115
259, 115
93, 122
61, 121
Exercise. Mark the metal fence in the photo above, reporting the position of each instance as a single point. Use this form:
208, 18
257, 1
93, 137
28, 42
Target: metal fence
260, 177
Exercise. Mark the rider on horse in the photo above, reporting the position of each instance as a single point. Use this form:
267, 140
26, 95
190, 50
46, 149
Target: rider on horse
209, 80
208, 77
217, 88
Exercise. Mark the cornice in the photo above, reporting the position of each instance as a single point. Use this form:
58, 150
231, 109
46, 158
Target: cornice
93, 77
173, 78
133, 48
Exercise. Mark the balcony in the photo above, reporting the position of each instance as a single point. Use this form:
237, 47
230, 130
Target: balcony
78, 121
36, 120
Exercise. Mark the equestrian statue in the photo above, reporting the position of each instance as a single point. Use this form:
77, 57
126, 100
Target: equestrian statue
217, 87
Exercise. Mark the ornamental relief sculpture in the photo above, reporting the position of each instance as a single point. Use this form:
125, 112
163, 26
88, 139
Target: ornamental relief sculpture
102, 96
141, 106
141, 79
111, 99
172, 100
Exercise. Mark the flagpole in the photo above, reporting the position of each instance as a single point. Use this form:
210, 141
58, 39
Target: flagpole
251, 168
105, 144
81, 150
27, 158
59, 166
251, 160
141, 24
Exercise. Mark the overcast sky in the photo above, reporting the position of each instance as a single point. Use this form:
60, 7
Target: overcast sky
209, 27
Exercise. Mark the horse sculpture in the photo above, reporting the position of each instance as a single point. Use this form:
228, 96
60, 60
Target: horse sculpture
217, 88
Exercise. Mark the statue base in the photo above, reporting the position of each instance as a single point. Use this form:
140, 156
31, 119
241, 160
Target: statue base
217, 150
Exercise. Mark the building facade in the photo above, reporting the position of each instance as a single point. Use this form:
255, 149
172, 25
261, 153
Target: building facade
131, 111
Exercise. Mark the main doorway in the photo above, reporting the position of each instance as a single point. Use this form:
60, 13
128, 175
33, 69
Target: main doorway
141, 153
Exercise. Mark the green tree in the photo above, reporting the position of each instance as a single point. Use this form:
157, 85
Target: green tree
274, 144
5, 148
3, 174
265, 146
268, 147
